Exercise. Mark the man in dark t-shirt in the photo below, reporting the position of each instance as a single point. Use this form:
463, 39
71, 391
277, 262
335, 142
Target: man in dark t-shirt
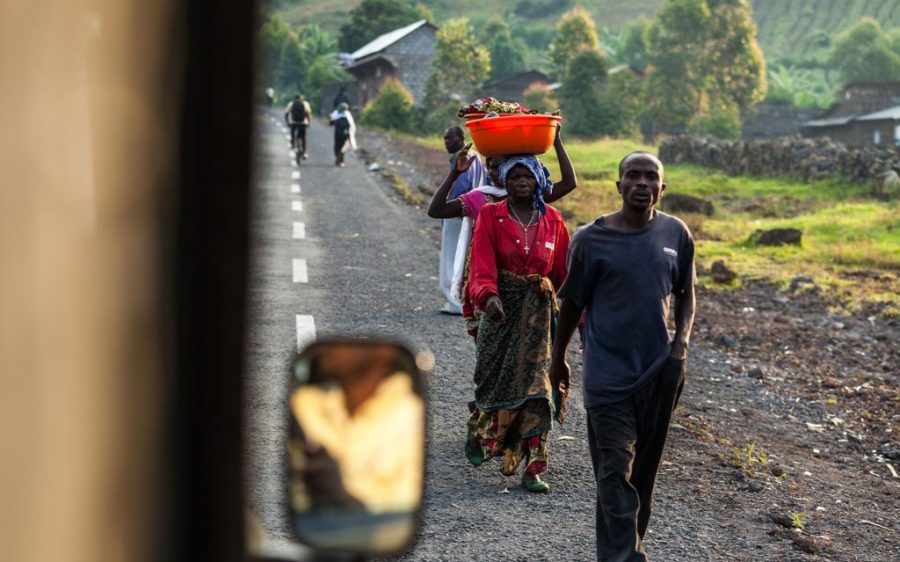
624, 269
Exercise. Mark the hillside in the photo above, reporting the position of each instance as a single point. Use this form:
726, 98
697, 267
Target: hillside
789, 30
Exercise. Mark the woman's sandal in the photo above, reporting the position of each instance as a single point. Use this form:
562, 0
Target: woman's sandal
535, 484
475, 456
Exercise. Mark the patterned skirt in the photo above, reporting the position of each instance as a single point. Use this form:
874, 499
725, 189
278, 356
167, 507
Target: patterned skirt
514, 402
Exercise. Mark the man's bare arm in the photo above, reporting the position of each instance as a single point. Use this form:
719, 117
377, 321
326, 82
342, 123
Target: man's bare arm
685, 305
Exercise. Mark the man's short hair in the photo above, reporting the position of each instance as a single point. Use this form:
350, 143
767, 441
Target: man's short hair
297, 97
457, 131
649, 155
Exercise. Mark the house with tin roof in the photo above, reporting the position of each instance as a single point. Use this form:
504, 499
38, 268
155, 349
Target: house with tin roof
404, 54
865, 113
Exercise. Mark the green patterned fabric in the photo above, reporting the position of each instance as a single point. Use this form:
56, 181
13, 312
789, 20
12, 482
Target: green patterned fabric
513, 356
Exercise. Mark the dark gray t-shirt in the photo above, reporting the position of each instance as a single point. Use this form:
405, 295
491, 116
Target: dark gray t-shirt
625, 280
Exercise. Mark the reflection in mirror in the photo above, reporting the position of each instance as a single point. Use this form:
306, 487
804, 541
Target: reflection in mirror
356, 446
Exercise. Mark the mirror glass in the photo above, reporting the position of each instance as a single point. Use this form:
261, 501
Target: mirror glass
356, 446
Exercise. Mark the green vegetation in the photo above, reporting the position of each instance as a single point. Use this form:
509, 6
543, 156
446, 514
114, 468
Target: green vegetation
575, 32
296, 60
866, 52
845, 230
372, 18
393, 109
507, 52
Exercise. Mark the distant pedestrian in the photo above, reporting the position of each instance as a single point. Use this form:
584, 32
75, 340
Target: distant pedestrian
473, 176
623, 270
518, 261
270, 96
298, 116
341, 97
344, 132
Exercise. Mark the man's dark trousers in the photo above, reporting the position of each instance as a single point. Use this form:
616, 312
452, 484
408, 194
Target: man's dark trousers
626, 439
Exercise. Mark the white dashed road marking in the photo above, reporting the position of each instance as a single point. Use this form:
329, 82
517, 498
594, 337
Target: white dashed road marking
299, 231
300, 271
296, 205
306, 330
295, 188
295, 175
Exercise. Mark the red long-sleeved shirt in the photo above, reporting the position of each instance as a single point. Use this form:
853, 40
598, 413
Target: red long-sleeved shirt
497, 244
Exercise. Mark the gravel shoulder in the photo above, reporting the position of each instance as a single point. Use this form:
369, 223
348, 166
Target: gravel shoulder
789, 418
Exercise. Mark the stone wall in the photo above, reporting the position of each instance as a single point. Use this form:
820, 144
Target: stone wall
792, 157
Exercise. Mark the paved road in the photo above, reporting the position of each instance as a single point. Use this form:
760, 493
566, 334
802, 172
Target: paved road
371, 265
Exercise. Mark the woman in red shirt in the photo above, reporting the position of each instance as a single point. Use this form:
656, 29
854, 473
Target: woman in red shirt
518, 261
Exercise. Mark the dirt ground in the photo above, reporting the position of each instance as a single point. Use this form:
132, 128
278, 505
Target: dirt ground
794, 436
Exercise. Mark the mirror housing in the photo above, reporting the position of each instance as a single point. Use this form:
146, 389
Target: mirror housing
356, 443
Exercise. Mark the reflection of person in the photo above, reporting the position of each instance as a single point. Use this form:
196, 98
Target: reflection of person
359, 433
344, 132
518, 258
623, 269
471, 177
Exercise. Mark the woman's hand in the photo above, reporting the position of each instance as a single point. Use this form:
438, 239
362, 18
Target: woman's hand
494, 309
463, 162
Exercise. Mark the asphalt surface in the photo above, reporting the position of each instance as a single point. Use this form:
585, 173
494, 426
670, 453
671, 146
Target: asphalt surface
372, 270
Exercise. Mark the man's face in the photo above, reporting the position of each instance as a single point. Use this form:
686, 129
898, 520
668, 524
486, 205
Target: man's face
641, 183
453, 142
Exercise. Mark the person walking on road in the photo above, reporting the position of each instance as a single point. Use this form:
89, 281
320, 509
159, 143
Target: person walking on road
470, 203
344, 132
297, 115
518, 260
471, 177
623, 270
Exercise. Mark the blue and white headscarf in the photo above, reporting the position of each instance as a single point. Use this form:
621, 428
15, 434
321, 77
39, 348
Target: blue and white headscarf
538, 170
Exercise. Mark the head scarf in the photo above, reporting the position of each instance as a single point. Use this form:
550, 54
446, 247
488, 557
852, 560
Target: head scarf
537, 169
343, 106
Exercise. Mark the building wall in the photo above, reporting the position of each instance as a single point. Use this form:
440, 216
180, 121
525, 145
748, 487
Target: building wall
413, 55
770, 121
861, 133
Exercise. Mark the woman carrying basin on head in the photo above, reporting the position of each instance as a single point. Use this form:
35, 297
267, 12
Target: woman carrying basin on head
518, 261
469, 204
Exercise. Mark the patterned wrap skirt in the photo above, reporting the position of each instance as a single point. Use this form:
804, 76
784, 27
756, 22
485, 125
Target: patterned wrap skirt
514, 401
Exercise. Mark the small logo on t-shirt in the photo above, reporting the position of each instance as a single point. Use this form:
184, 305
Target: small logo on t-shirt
670, 252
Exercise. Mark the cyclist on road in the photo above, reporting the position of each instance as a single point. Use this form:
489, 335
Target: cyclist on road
297, 116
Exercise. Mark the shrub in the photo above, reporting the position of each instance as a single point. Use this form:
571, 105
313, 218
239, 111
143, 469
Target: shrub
720, 122
539, 96
393, 108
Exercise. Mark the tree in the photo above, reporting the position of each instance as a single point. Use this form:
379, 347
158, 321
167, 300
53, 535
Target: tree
634, 49
273, 36
733, 63
574, 33
372, 18
702, 54
461, 63
507, 53
864, 52
674, 85
581, 88
394, 108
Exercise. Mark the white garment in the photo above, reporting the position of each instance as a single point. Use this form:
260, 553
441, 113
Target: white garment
465, 240
449, 240
335, 115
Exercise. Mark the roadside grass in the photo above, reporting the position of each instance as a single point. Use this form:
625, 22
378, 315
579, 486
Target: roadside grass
851, 242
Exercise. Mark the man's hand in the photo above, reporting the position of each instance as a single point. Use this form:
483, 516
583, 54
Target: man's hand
494, 309
463, 161
560, 373
679, 350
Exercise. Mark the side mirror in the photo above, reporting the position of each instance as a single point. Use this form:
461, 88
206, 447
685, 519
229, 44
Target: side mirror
356, 446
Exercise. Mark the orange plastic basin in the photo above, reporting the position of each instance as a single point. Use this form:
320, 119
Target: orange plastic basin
513, 134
